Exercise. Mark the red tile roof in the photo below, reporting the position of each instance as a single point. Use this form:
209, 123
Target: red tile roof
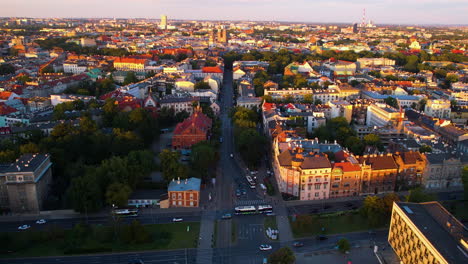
5, 109
197, 119
5, 95
130, 60
215, 69
347, 166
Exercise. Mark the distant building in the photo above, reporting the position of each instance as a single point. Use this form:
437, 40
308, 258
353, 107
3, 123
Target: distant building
179, 104
438, 108
372, 62
427, 233
341, 109
24, 184
192, 130
184, 193
130, 64
87, 42
163, 24
382, 115
442, 171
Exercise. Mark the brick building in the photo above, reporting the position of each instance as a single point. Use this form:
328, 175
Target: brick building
184, 193
192, 130
379, 173
411, 166
345, 179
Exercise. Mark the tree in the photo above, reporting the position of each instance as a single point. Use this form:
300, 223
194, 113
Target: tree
418, 195
203, 158
6, 68
440, 73
391, 101
308, 98
84, 194
170, 167
117, 194
29, 148
425, 148
388, 200
422, 104
451, 78
130, 78
343, 245
283, 255
372, 140
373, 209
465, 181
202, 85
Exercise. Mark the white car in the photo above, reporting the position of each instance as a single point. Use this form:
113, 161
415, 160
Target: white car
265, 247
24, 227
41, 221
232, 155
177, 220
270, 214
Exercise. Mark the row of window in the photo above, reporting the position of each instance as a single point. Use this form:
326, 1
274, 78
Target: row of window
20, 178
179, 196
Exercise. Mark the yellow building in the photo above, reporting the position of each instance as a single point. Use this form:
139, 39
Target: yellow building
427, 233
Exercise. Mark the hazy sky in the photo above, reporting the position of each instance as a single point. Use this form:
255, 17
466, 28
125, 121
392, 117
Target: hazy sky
348, 11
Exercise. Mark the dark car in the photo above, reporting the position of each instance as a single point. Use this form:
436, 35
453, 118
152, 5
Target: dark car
348, 204
226, 216
327, 207
244, 192
322, 237
298, 244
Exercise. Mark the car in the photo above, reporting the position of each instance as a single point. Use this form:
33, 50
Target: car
232, 155
348, 204
327, 207
265, 247
270, 214
41, 221
226, 216
244, 191
221, 140
298, 244
177, 219
238, 193
24, 227
322, 237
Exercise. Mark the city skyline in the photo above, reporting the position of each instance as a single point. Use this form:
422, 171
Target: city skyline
451, 12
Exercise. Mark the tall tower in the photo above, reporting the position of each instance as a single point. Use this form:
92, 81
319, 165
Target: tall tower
163, 24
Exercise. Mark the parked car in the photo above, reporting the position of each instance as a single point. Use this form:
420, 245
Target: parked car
226, 216
232, 155
41, 221
298, 244
322, 237
238, 193
177, 220
270, 214
265, 247
244, 191
24, 227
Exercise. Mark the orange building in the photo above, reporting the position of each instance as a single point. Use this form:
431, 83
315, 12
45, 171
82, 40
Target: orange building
379, 173
410, 168
184, 193
345, 179
192, 130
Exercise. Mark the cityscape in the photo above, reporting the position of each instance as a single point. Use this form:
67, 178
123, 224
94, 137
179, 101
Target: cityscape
140, 136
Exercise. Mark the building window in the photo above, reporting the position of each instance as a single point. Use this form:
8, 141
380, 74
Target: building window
316, 194
173, 195
191, 196
180, 202
317, 186
191, 203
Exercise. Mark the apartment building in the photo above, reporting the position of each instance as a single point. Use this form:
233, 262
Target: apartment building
379, 173
411, 166
427, 233
442, 171
382, 115
438, 108
130, 64
345, 179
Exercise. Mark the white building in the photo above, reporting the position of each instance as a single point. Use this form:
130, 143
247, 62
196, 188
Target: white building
382, 115
438, 108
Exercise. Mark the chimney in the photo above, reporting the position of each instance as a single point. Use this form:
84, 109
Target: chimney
178, 180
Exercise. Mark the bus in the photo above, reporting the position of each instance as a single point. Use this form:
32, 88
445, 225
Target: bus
242, 210
264, 209
125, 212
251, 182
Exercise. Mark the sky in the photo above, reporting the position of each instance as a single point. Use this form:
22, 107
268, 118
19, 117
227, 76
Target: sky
330, 11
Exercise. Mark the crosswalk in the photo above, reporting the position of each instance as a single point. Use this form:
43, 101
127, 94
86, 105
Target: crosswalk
250, 202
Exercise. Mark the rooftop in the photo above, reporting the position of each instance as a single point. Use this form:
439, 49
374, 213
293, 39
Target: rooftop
26, 163
190, 184
440, 227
